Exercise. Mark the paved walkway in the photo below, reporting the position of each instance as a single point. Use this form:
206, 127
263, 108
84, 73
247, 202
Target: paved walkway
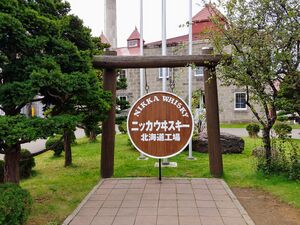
144, 201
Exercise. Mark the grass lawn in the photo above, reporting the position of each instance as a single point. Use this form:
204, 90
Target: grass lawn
57, 190
243, 125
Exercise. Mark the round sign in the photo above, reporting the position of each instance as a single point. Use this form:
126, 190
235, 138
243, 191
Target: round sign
160, 125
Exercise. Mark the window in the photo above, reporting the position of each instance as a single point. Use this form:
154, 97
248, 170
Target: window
161, 73
199, 71
133, 43
240, 101
123, 98
122, 74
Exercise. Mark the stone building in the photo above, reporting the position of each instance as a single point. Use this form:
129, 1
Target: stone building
232, 107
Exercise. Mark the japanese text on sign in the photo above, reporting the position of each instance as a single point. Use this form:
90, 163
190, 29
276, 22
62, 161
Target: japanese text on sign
158, 126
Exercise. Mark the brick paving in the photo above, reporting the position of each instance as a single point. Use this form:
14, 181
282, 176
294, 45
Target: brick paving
148, 201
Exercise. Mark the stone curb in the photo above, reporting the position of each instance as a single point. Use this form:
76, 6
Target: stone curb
243, 212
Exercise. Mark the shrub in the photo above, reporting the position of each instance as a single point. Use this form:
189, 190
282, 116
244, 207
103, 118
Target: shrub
120, 119
285, 162
123, 127
15, 204
97, 130
58, 144
129, 143
26, 163
282, 130
253, 129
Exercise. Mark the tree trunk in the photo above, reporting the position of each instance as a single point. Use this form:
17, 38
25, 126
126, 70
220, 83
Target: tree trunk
67, 148
11, 166
93, 135
267, 145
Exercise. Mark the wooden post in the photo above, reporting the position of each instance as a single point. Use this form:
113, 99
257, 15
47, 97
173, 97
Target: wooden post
213, 124
108, 126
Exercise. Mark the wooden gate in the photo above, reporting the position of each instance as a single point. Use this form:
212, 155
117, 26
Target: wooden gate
110, 62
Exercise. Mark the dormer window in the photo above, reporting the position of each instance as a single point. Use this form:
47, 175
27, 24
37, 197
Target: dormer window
132, 43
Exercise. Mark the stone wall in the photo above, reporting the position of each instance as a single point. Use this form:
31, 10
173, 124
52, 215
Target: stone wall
226, 94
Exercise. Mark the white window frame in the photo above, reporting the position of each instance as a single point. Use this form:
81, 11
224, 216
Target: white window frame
123, 96
132, 43
199, 74
124, 73
160, 75
239, 109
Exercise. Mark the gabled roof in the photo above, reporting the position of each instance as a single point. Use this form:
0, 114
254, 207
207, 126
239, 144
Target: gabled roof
206, 13
174, 40
103, 39
135, 35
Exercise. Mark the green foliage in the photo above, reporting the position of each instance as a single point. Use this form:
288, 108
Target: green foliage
282, 116
285, 162
282, 130
26, 163
123, 104
253, 129
20, 129
289, 94
95, 129
46, 52
262, 39
1, 171
264, 33
120, 119
123, 127
58, 144
15, 204
122, 83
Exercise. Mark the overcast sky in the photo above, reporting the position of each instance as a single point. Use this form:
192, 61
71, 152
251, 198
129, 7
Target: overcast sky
92, 13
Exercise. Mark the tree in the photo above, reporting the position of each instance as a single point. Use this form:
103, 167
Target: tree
91, 118
289, 96
44, 52
263, 36
71, 86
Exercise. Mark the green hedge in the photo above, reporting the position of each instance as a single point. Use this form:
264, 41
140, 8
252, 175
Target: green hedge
15, 204
253, 129
58, 144
282, 130
123, 127
26, 163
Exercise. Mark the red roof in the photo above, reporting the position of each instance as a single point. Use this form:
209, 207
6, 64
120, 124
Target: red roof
206, 13
203, 16
135, 35
175, 40
104, 39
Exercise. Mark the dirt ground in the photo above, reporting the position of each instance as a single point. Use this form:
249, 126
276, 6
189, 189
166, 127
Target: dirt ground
265, 209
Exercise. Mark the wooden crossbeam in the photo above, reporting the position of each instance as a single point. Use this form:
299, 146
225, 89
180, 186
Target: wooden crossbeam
119, 62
